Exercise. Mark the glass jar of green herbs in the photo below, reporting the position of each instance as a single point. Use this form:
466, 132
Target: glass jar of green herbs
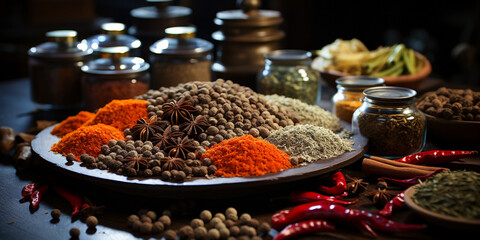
391, 122
288, 73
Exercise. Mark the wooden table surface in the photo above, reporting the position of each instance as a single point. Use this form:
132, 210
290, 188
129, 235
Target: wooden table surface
17, 222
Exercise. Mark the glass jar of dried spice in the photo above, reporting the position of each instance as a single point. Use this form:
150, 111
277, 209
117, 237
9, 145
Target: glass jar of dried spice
391, 122
180, 58
349, 91
114, 76
113, 35
288, 73
54, 69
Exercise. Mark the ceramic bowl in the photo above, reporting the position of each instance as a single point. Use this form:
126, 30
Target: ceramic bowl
437, 218
411, 81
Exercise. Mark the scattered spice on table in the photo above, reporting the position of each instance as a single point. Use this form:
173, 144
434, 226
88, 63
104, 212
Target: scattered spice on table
7, 139
120, 114
329, 211
339, 185
309, 142
86, 140
308, 114
246, 156
455, 193
436, 156
71, 123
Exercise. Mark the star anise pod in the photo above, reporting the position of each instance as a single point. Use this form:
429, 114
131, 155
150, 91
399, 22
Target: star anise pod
135, 162
195, 126
164, 139
177, 111
180, 147
143, 130
380, 197
355, 185
169, 163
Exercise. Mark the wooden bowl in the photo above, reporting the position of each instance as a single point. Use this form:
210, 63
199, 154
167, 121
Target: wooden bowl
437, 218
457, 131
411, 81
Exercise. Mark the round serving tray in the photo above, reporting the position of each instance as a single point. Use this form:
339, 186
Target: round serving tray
198, 187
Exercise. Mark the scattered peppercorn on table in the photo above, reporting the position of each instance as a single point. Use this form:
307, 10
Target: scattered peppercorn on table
174, 138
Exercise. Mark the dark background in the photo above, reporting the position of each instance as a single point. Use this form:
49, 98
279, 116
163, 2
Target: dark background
447, 32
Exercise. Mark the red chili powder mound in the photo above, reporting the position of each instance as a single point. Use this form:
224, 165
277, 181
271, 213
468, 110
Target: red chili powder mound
86, 139
71, 123
246, 156
120, 113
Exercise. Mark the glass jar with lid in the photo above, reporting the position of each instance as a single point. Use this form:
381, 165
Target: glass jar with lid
349, 92
391, 122
54, 69
113, 76
288, 73
180, 58
113, 35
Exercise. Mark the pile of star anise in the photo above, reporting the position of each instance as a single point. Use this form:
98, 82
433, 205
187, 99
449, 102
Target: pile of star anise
174, 133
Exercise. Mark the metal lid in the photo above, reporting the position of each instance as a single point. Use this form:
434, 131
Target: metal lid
181, 41
288, 56
160, 9
113, 28
358, 82
249, 15
61, 45
390, 94
115, 61
113, 36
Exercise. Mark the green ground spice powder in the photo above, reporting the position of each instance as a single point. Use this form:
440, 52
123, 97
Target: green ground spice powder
455, 193
308, 114
309, 142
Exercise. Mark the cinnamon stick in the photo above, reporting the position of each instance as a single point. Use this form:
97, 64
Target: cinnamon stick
401, 164
373, 167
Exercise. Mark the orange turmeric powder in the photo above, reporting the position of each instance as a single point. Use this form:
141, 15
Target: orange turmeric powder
71, 123
86, 139
120, 114
246, 156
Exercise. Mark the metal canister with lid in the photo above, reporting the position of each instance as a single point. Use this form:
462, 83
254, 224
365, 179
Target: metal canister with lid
288, 73
180, 58
113, 76
150, 22
113, 35
391, 122
349, 92
54, 69
244, 37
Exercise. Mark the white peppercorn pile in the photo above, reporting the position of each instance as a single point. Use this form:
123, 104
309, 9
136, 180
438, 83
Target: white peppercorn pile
308, 114
231, 110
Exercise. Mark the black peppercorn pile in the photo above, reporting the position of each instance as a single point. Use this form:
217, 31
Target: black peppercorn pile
231, 110
454, 104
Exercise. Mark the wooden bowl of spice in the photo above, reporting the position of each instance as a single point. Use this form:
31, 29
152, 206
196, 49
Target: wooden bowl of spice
459, 209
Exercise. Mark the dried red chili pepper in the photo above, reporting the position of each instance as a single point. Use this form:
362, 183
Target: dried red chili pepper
306, 197
75, 200
28, 190
410, 181
436, 156
340, 185
396, 203
304, 227
335, 212
37, 196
